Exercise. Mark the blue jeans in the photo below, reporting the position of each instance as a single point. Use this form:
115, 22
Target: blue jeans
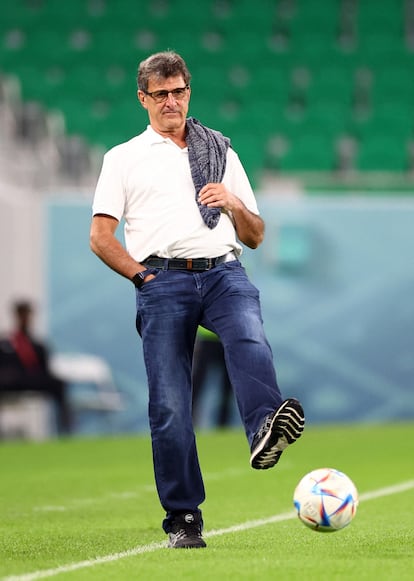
169, 309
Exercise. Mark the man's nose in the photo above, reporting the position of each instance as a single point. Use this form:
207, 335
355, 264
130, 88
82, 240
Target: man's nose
171, 98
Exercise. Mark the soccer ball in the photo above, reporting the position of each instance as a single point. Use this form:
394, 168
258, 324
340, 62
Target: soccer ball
326, 500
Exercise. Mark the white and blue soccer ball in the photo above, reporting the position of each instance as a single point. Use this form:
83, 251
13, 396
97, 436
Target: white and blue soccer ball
326, 500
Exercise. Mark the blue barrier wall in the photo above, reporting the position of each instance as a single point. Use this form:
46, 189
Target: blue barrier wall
337, 284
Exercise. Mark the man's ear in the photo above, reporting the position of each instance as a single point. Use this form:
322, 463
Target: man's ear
141, 98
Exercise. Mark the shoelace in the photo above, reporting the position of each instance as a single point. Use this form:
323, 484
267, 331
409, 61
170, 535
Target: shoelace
188, 532
265, 427
185, 528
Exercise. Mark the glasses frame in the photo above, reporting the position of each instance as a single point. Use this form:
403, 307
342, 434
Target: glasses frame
161, 95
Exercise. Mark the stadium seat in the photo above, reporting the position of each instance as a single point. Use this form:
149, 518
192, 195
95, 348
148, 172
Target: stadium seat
246, 62
332, 82
394, 83
311, 152
382, 153
250, 149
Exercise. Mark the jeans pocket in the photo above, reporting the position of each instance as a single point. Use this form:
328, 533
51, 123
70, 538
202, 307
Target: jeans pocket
156, 274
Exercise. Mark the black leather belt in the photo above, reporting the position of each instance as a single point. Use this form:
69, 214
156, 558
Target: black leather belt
187, 263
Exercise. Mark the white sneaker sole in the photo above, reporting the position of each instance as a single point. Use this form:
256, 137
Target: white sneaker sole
286, 427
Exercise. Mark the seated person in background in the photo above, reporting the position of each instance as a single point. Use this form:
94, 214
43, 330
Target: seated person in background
24, 366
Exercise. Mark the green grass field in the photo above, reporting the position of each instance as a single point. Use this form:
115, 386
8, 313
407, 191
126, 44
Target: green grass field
85, 509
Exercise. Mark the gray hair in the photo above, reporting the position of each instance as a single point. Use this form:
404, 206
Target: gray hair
162, 65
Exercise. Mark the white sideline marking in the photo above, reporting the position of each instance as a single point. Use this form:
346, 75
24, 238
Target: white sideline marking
387, 491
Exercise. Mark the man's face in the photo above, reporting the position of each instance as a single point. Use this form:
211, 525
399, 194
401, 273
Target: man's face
167, 113
24, 318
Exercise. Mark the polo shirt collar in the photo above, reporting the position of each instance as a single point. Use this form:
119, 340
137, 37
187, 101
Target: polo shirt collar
153, 137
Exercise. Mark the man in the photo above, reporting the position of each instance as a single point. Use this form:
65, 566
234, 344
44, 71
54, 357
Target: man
188, 206
24, 366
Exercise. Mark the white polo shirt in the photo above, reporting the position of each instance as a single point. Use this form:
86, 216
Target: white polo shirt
147, 181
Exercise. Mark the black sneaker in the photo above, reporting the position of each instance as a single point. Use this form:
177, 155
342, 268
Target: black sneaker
279, 429
185, 532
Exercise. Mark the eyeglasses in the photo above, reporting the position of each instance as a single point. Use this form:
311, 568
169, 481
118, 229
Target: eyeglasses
161, 96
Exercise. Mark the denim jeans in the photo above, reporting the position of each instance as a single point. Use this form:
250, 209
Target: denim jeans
169, 309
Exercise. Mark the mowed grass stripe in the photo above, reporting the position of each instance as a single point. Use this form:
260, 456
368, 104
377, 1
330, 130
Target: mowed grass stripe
371, 495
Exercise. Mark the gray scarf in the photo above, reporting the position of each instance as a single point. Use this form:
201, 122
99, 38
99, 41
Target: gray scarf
207, 151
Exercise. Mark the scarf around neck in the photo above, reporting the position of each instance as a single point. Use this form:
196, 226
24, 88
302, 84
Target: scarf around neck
207, 151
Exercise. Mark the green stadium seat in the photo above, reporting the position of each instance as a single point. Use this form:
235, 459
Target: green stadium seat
312, 49
394, 83
122, 121
101, 124
243, 16
326, 116
13, 49
40, 84
213, 82
20, 14
52, 46
82, 56
310, 152
394, 119
250, 149
221, 112
380, 152
386, 16
271, 84
62, 15
331, 83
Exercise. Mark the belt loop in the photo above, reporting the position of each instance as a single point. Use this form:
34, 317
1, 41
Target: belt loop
165, 267
189, 264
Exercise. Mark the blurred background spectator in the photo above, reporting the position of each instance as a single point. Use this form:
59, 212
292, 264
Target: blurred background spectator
24, 367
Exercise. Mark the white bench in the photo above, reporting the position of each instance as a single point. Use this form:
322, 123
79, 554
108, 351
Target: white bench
25, 415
